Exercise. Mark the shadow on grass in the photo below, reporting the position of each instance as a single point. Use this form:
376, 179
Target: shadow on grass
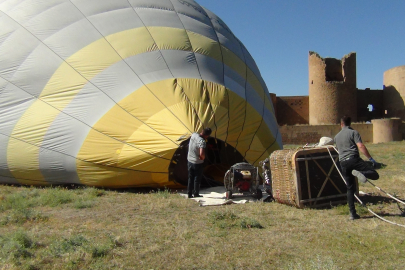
366, 199
376, 199
383, 215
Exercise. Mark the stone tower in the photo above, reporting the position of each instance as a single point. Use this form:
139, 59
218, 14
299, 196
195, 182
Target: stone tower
332, 89
394, 92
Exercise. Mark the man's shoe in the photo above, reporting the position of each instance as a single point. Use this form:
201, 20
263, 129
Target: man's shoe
197, 196
359, 176
190, 196
354, 216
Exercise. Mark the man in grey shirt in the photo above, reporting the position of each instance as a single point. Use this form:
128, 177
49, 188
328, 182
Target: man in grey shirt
195, 157
348, 142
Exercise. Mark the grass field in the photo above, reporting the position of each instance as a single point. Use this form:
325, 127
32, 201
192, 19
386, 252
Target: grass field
87, 228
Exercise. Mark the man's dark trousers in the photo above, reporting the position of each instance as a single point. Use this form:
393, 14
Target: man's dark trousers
195, 172
360, 165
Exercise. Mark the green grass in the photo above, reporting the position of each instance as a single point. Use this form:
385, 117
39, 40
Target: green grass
25, 197
223, 219
162, 193
249, 223
22, 215
344, 210
80, 204
228, 219
67, 245
88, 228
317, 263
16, 246
100, 251
19, 207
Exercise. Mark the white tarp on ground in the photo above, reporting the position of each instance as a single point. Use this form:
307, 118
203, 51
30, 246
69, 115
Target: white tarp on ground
216, 196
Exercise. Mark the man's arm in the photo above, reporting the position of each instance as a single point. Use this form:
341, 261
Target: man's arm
202, 153
363, 149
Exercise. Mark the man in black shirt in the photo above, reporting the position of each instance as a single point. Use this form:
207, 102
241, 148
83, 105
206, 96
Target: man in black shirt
348, 142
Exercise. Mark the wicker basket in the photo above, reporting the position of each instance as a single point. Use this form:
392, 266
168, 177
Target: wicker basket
306, 177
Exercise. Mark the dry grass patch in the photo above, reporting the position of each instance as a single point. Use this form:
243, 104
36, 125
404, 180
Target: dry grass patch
162, 230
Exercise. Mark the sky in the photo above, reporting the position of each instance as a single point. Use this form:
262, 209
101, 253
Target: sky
279, 34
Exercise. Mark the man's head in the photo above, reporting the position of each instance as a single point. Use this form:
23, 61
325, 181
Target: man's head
206, 133
345, 121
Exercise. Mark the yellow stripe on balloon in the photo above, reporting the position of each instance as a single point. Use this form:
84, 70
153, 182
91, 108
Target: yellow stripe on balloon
64, 85
207, 98
132, 42
205, 46
83, 66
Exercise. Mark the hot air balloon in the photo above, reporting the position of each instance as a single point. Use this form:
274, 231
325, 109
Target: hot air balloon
106, 93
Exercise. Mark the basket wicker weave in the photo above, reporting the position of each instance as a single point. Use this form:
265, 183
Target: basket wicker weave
283, 177
306, 177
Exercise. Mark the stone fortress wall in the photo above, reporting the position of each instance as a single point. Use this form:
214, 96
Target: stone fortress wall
394, 92
292, 110
332, 88
333, 93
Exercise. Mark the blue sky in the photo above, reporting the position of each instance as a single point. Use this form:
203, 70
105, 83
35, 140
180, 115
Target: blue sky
279, 35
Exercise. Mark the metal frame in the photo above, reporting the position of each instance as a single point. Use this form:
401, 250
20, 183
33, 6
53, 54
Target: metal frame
229, 180
312, 201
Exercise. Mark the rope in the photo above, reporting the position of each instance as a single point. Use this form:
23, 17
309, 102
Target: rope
383, 219
389, 195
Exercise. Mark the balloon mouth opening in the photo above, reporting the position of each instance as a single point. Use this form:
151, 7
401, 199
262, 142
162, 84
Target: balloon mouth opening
219, 158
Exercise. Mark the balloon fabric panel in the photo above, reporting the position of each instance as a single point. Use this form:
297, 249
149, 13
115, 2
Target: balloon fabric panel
107, 94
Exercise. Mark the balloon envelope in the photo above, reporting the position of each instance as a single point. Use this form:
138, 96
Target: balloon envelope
107, 93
